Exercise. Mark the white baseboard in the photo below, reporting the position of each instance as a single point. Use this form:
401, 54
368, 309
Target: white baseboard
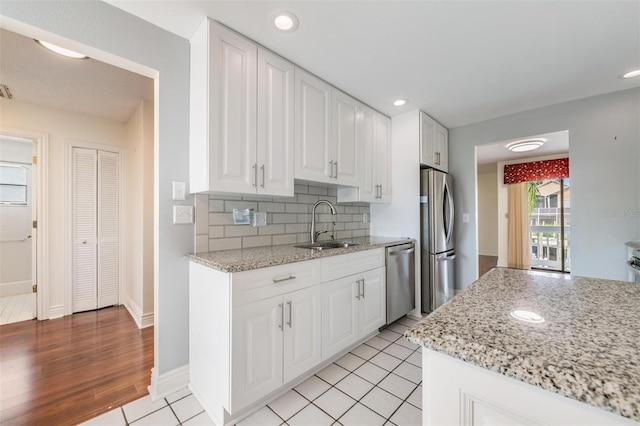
168, 383
15, 288
146, 320
493, 253
142, 320
56, 311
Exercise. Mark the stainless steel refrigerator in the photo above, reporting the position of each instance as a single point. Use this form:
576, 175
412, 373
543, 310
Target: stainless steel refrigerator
437, 243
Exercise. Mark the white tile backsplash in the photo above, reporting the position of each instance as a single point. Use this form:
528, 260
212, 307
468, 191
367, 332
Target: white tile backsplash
288, 219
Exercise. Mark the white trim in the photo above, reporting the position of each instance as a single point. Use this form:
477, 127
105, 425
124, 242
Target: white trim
147, 320
15, 288
493, 253
55, 312
167, 383
68, 244
41, 199
142, 320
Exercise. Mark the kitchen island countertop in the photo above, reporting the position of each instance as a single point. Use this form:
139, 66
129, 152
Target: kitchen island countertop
262, 257
587, 348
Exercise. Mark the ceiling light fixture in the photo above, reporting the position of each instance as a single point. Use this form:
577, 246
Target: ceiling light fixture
525, 145
632, 74
284, 21
400, 102
61, 50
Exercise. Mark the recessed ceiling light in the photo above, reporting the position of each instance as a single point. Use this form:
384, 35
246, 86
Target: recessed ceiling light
525, 145
527, 316
632, 74
400, 102
284, 21
61, 50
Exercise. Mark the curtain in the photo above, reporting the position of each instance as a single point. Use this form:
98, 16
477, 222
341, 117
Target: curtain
519, 249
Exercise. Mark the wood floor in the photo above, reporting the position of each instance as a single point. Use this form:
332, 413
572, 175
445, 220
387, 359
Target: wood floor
68, 370
485, 263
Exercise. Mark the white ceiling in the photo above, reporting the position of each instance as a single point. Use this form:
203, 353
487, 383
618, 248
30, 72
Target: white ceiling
555, 143
460, 61
36, 75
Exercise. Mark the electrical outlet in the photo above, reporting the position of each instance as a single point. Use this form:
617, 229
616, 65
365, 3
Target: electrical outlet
182, 215
260, 219
465, 217
365, 218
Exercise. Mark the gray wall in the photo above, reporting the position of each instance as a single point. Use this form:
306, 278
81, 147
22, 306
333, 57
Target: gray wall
112, 34
604, 153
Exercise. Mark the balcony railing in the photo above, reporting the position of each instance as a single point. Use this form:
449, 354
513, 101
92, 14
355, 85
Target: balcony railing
545, 247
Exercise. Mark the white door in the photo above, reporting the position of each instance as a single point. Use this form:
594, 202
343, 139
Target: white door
232, 79
383, 158
95, 225
339, 315
346, 148
313, 153
275, 124
302, 331
373, 309
256, 351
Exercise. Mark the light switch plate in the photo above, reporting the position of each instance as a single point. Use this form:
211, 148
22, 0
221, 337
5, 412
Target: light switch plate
182, 215
465, 217
179, 191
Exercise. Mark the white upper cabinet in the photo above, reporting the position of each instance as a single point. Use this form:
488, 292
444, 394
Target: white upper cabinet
275, 124
374, 162
346, 149
313, 147
231, 148
434, 143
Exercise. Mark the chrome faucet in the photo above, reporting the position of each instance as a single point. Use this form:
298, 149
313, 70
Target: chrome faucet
312, 232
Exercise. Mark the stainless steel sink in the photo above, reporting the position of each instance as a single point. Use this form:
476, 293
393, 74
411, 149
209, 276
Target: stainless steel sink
326, 245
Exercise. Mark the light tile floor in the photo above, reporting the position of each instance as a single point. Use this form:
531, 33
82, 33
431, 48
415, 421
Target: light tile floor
16, 308
377, 383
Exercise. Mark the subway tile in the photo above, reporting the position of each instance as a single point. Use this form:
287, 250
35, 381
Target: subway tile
359, 233
220, 219
344, 218
304, 237
296, 208
363, 209
351, 226
257, 197
363, 225
277, 240
271, 207
332, 192
351, 209
316, 190
284, 218
304, 218
295, 228
343, 234
340, 209
216, 206
216, 232
202, 213
260, 241
202, 243
225, 244
301, 189
332, 200
240, 205
226, 197
239, 231
307, 199
271, 230
339, 226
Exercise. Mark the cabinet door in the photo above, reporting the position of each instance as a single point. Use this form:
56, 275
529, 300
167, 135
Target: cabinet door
367, 134
383, 159
312, 128
427, 140
345, 144
275, 124
232, 111
256, 351
373, 309
442, 148
339, 315
302, 331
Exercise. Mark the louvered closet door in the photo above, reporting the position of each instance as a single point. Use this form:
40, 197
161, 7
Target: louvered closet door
108, 225
96, 256
85, 181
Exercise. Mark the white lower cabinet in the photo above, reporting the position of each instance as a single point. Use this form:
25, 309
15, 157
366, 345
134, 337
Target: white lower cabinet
352, 308
253, 334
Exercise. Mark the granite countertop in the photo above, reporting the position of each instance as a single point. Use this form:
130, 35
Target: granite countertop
587, 348
261, 257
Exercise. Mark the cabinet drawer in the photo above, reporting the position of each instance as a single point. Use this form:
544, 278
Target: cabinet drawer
348, 264
259, 284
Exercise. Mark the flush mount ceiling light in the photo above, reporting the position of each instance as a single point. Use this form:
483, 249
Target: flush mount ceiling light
61, 50
527, 316
525, 145
284, 21
632, 74
400, 102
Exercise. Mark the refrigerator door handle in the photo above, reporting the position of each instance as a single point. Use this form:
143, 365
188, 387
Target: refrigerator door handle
452, 214
444, 257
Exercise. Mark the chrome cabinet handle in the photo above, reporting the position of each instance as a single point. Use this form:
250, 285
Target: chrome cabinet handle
281, 326
358, 294
279, 280
335, 163
262, 168
362, 287
255, 175
330, 169
290, 310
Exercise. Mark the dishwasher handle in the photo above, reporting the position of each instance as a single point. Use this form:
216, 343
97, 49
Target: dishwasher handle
401, 252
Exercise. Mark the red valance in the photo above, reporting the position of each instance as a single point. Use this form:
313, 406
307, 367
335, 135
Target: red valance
536, 170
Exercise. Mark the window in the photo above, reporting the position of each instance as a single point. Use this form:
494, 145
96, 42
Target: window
13, 184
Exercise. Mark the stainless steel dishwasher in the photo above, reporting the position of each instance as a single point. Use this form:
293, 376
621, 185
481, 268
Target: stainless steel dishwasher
401, 281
